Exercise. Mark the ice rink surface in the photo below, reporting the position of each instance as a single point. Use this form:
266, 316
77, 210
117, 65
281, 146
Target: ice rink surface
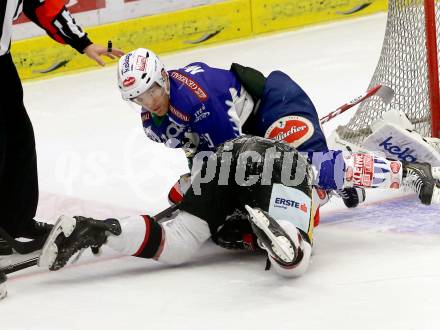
375, 267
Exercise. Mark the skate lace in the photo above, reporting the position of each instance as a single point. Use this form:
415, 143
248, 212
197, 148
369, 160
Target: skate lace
343, 193
413, 182
77, 247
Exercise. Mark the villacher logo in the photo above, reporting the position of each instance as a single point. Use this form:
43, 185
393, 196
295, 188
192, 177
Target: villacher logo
294, 130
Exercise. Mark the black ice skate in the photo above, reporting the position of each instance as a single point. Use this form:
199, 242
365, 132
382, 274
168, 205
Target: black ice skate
352, 196
423, 180
36, 229
5, 248
272, 236
70, 235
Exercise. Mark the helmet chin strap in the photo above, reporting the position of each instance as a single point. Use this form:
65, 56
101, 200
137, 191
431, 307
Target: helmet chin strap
166, 81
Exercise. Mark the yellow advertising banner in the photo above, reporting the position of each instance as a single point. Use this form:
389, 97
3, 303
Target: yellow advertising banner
42, 57
273, 15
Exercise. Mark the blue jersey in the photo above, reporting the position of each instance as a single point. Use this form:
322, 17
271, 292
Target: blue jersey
287, 114
201, 114
204, 106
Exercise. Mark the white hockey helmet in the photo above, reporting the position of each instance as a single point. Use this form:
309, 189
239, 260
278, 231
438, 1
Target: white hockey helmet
138, 70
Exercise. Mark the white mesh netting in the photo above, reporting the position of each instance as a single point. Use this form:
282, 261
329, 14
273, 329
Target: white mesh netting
402, 66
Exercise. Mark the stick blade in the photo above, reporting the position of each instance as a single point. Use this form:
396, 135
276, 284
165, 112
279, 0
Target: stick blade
385, 93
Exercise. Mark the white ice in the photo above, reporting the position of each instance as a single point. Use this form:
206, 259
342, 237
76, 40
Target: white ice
375, 267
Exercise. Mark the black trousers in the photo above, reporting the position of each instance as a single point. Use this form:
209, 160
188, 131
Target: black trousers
18, 160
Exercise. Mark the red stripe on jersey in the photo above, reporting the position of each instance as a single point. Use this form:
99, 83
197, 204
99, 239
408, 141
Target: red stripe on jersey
316, 219
175, 195
146, 237
46, 14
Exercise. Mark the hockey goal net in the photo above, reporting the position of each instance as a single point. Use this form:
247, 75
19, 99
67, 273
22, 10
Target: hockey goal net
409, 64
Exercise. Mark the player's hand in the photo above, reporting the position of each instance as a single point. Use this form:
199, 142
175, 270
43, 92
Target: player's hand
95, 52
236, 233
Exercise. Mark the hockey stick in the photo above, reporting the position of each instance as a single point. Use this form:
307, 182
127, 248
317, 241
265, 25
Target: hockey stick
13, 268
19, 266
384, 92
164, 215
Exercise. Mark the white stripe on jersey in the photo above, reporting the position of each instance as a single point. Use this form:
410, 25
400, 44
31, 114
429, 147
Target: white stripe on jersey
71, 24
6, 29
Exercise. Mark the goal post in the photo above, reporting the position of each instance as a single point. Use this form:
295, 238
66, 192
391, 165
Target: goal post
408, 63
432, 61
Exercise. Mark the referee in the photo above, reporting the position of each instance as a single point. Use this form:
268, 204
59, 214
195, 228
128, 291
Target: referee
18, 161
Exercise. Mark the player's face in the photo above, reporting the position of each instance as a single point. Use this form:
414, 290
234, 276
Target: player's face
155, 100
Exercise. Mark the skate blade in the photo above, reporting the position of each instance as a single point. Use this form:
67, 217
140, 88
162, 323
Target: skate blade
435, 196
280, 244
3, 291
64, 225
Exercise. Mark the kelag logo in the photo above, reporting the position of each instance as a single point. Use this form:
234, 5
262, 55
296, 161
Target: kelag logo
397, 151
285, 203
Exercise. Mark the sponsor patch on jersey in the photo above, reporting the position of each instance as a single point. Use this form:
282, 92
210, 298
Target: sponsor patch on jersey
291, 204
285, 203
201, 114
295, 130
191, 84
128, 81
151, 134
363, 170
179, 114
141, 63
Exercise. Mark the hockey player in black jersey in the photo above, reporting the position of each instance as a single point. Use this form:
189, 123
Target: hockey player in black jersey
267, 181
18, 160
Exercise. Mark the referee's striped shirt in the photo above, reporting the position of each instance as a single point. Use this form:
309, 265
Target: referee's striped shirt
51, 16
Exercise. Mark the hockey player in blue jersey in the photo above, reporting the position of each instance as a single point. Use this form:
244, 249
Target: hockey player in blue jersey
198, 107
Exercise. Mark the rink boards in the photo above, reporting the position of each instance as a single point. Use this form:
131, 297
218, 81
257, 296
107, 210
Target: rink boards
41, 57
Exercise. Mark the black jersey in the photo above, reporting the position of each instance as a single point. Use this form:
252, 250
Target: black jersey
243, 172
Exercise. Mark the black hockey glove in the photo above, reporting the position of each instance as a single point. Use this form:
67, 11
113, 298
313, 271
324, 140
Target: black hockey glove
236, 233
